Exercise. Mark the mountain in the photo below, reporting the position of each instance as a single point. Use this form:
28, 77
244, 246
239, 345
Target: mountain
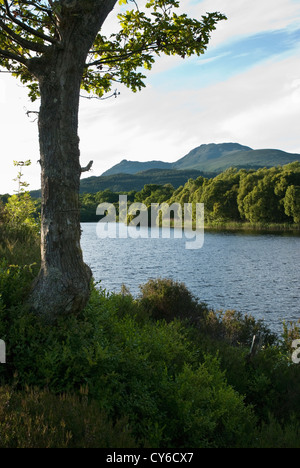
212, 158
217, 158
207, 155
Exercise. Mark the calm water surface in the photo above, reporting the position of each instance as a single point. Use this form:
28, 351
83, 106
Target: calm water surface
256, 274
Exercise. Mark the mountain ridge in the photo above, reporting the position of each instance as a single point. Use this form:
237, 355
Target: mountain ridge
212, 157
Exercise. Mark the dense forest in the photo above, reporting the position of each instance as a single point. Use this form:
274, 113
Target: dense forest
264, 196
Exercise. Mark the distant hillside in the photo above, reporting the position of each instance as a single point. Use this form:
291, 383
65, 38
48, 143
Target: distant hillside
213, 158
127, 182
253, 159
209, 155
218, 158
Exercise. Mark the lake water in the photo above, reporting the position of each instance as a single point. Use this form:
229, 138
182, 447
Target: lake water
256, 274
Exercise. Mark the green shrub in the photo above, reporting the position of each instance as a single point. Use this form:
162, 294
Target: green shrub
274, 386
133, 370
291, 332
16, 252
15, 282
273, 434
126, 305
211, 413
62, 356
166, 299
19, 230
235, 328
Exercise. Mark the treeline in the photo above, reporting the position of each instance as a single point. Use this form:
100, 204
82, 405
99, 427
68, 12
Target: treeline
264, 197
268, 195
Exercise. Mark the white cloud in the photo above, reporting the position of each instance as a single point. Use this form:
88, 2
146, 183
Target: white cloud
247, 17
259, 107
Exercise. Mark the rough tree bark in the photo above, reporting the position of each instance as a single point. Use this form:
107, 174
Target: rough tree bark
63, 284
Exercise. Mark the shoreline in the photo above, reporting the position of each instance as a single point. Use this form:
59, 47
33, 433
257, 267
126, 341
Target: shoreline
236, 226
255, 227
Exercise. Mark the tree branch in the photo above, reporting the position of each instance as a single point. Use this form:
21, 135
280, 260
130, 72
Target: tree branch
88, 167
26, 27
48, 11
20, 40
115, 94
11, 56
38, 7
119, 58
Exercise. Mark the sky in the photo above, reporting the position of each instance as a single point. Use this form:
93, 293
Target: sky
244, 89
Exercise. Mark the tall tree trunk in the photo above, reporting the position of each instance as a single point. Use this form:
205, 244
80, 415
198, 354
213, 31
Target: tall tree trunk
63, 284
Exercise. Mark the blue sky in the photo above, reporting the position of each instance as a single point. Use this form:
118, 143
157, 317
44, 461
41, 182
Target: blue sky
231, 58
245, 89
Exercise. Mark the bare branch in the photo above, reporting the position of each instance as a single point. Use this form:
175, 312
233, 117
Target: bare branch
88, 167
28, 113
115, 94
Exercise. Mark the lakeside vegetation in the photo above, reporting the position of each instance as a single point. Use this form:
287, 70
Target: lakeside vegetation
235, 199
266, 199
161, 370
